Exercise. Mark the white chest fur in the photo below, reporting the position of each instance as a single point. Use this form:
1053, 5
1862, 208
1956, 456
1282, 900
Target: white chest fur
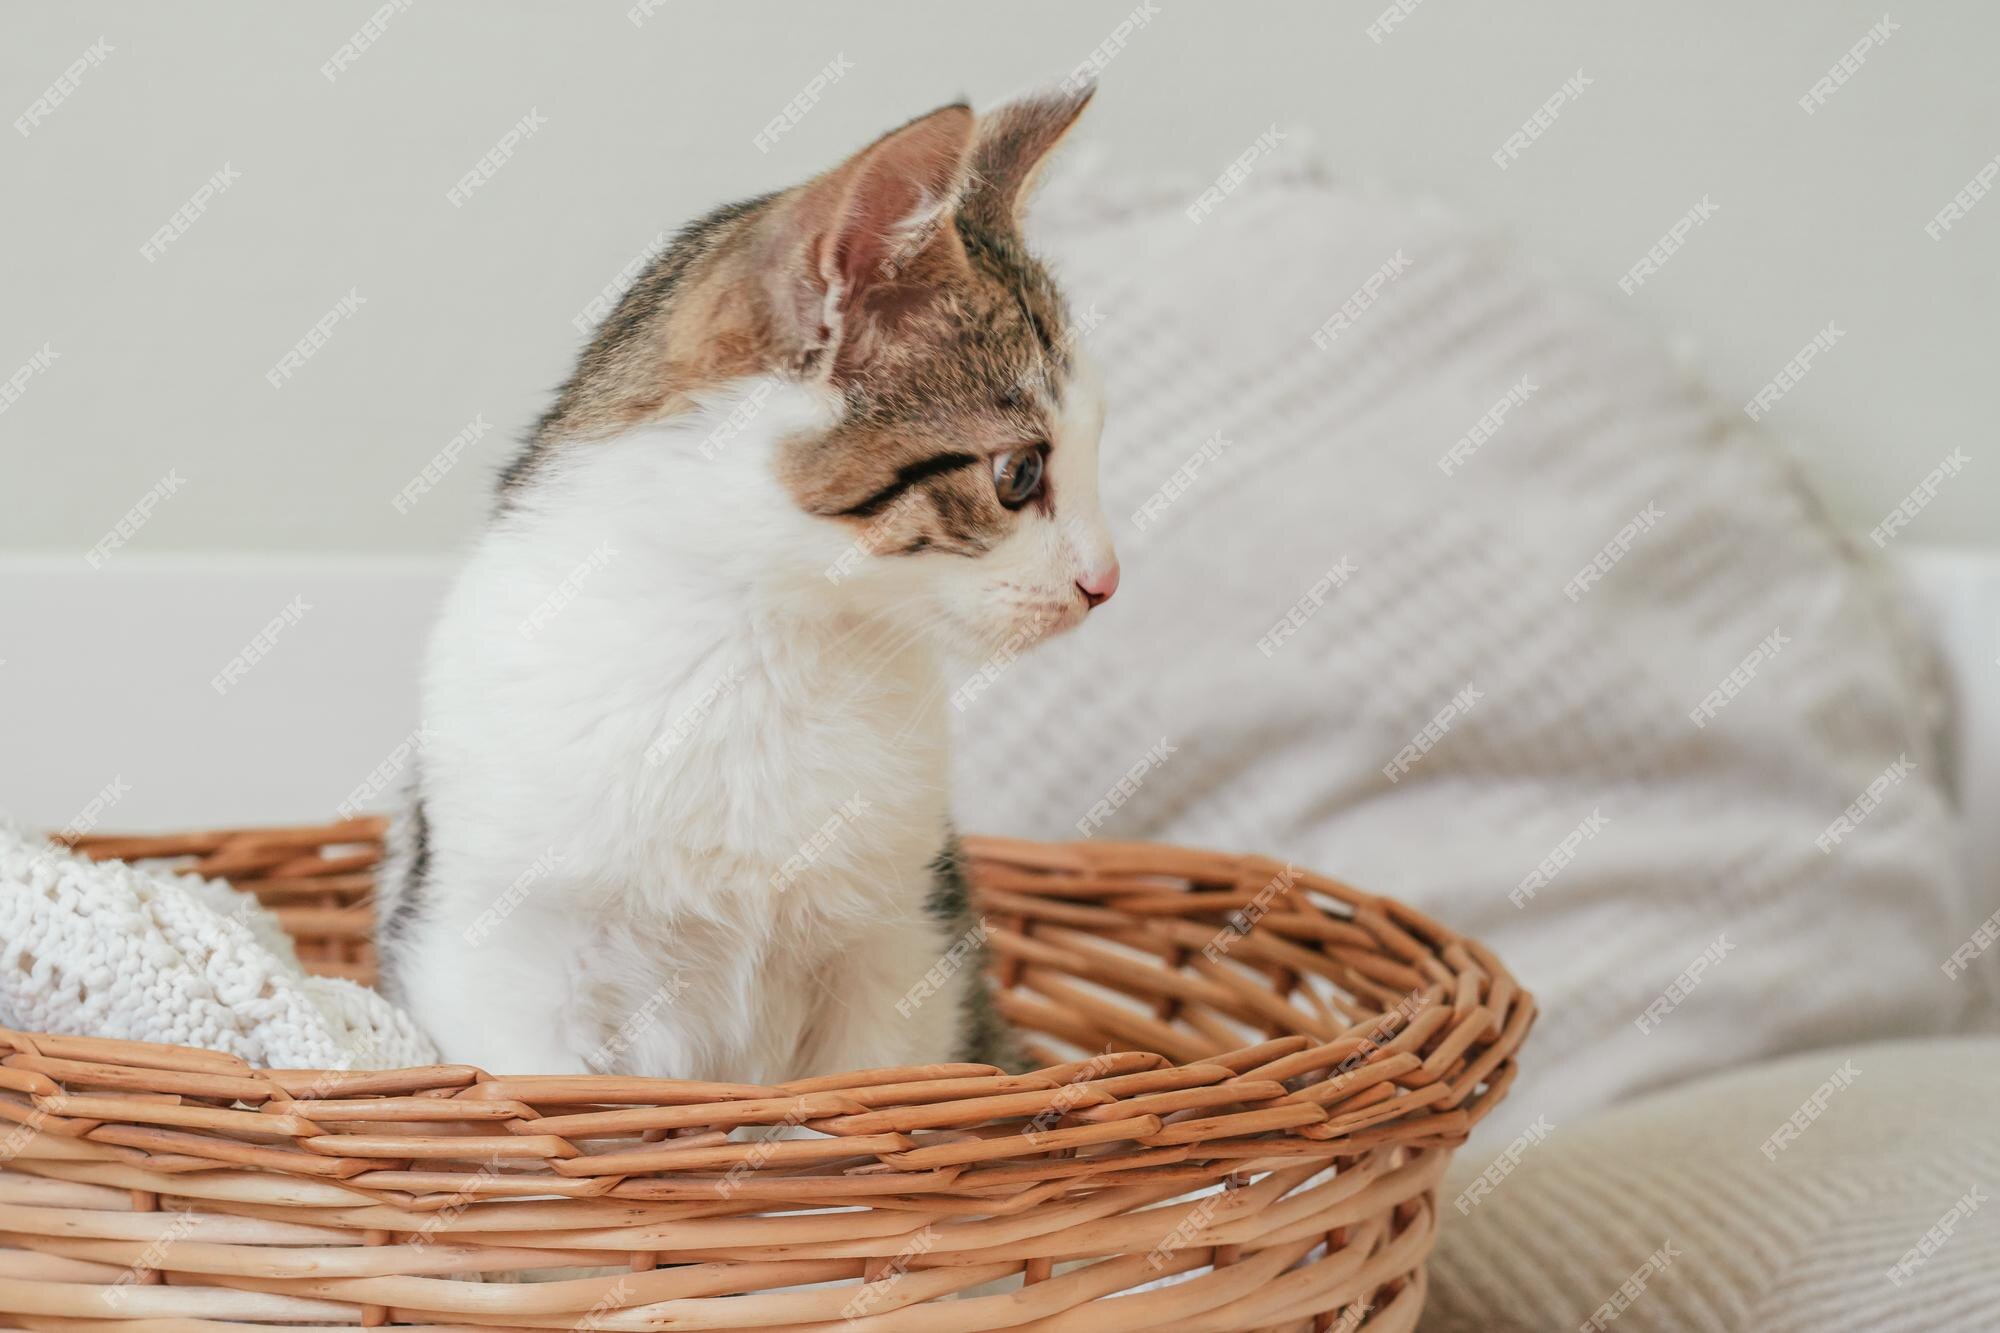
680, 815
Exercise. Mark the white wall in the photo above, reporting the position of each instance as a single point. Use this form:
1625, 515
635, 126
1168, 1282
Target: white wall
342, 187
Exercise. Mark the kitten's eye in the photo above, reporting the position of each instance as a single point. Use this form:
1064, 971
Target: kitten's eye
1017, 475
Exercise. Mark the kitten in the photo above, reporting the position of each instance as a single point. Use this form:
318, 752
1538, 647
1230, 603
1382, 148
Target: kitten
682, 809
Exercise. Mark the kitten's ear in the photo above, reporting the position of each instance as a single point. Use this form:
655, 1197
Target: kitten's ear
856, 228
1014, 140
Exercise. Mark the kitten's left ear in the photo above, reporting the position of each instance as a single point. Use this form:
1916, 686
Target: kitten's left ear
848, 235
1014, 140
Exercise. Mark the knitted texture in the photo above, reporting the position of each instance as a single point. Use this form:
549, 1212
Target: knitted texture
115, 950
1353, 632
1877, 1214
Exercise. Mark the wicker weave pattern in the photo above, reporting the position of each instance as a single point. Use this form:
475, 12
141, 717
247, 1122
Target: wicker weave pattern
1203, 1019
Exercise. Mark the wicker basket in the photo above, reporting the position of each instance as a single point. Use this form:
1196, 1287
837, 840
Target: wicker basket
1255, 1078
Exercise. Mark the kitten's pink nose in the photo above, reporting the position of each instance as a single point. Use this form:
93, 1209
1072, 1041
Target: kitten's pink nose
1098, 585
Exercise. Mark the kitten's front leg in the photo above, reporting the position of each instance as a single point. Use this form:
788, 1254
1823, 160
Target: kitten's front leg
894, 998
497, 992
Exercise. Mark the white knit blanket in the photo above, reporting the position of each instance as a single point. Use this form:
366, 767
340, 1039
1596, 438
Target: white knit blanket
115, 950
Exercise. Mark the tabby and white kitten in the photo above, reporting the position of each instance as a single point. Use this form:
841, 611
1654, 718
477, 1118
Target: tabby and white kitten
682, 809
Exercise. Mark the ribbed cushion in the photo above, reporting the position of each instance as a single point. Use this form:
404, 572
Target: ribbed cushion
1899, 1139
1307, 455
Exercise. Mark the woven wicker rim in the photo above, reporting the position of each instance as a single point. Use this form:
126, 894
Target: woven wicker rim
1201, 1019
